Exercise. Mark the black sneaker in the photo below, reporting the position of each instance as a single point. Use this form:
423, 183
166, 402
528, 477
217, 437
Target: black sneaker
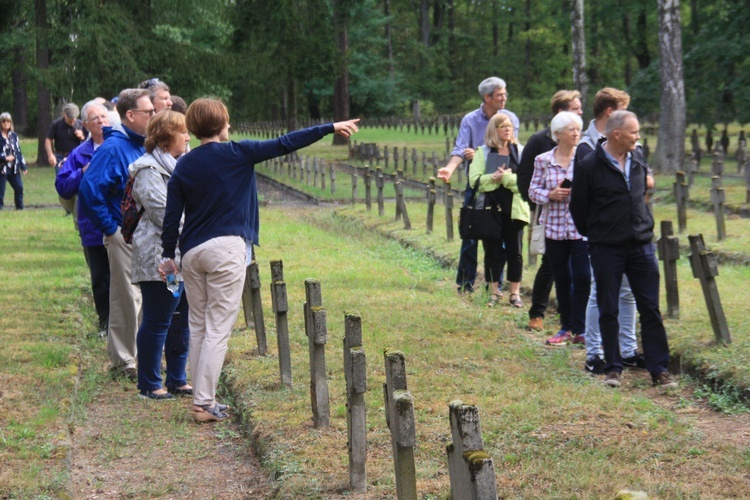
465, 288
594, 366
635, 361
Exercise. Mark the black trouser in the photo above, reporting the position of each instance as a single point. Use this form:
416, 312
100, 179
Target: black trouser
98, 262
542, 287
16, 183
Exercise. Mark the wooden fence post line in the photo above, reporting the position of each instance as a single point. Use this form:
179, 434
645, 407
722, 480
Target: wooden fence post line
253, 307
368, 188
402, 204
471, 469
385, 158
705, 268
718, 197
414, 161
681, 195
307, 171
355, 372
280, 308
332, 178
431, 199
396, 177
669, 252
399, 415
317, 337
380, 183
449, 215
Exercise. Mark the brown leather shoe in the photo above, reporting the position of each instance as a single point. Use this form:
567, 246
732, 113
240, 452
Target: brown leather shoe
664, 381
536, 324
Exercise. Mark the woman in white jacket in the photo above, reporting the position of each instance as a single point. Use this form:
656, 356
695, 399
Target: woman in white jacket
164, 325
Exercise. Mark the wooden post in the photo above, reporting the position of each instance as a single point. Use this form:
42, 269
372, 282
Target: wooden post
280, 308
669, 251
449, 215
471, 470
681, 195
368, 188
396, 178
317, 336
307, 171
402, 204
414, 161
717, 166
355, 372
705, 268
434, 164
718, 197
253, 307
385, 158
399, 415
395, 158
431, 199
315, 172
354, 187
332, 177
380, 183
405, 160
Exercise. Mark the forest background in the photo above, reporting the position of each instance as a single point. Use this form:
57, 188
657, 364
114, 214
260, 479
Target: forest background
296, 59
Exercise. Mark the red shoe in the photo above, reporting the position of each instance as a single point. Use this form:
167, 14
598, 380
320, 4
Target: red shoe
560, 338
579, 339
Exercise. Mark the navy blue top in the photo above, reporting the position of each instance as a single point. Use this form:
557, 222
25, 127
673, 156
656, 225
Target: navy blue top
214, 184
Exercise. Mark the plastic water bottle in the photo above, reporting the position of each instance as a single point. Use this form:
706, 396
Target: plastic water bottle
173, 285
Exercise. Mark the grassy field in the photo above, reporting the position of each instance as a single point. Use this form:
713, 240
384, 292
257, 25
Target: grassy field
552, 430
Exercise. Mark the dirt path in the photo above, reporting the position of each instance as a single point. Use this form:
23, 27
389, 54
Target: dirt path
136, 448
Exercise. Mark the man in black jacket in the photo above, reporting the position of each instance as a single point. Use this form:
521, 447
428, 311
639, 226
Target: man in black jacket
608, 206
541, 142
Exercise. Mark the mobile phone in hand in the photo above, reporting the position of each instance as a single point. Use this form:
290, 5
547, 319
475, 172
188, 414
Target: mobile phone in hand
566, 183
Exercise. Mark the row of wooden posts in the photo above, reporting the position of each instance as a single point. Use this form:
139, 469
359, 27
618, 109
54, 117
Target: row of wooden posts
684, 180
471, 469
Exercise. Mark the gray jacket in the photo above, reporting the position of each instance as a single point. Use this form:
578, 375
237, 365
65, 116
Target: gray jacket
150, 192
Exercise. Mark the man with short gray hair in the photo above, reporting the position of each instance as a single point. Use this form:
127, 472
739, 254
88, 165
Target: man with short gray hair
470, 137
608, 205
64, 135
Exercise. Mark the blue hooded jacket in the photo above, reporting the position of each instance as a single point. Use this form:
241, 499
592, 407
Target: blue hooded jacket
103, 184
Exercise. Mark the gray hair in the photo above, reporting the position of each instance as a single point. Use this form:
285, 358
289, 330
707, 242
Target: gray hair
85, 109
489, 85
562, 120
617, 120
71, 111
6, 116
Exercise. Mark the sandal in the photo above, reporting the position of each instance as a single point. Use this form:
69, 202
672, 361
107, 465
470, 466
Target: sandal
494, 299
208, 414
515, 300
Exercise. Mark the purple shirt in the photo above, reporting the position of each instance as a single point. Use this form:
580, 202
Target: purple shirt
548, 174
473, 126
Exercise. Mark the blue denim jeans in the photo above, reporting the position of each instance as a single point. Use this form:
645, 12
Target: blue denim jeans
627, 337
638, 262
164, 329
569, 260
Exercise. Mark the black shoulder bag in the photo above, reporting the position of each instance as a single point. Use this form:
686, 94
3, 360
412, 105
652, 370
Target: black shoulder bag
479, 224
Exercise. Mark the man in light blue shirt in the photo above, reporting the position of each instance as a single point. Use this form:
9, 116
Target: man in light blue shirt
471, 136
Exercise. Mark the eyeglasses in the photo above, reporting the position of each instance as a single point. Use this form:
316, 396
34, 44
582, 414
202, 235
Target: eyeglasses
151, 112
504, 126
5, 120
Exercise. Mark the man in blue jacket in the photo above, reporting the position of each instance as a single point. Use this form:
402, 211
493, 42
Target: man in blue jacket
608, 205
101, 190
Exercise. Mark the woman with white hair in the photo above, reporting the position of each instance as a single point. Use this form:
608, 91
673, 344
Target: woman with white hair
12, 163
565, 247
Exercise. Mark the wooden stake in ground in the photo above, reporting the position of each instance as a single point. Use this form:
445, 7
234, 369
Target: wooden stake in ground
253, 307
355, 372
354, 187
669, 252
402, 204
449, 215
681, 195
317, 336
399, 415
380, 183
718, 197
705, 268
280, 308
471, 469
332, 178
368, 188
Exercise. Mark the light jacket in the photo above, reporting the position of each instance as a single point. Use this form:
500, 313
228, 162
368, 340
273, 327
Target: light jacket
519, 208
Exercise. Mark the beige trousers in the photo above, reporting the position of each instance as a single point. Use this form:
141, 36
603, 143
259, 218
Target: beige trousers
124, 304
214, 274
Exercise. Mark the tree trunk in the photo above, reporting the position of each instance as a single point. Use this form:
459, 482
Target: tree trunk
388, 44
44, 118
495, 30
20, 92
291, 97
578, 37
670, 148
424, 22
341, 86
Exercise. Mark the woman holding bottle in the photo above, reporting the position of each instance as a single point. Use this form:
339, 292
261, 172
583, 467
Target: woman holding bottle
164, 325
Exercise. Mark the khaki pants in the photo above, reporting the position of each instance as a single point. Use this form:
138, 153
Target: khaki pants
214, 274
124, 304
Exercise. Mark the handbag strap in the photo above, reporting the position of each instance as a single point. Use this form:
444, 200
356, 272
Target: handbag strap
470, 202
537, 214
